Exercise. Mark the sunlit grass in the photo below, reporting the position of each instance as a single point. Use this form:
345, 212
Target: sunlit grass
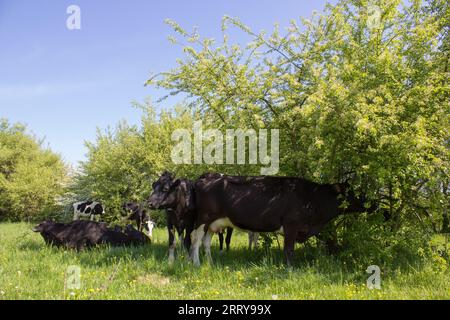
31, 270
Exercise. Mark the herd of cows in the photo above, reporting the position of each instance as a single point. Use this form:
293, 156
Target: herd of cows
216, 203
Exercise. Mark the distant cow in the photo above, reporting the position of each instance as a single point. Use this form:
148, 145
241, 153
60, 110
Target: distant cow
297, 207
90, 209
139, 214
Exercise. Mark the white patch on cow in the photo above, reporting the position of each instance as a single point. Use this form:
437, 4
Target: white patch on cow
197, 237
151, 225
221, 224
207, 244
78, 213
172, 251
181, 239
171, 255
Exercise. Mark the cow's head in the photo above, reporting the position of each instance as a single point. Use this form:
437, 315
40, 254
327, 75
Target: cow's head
43, 226
130, 206
149, 225
170, 193
164, 192
99, 209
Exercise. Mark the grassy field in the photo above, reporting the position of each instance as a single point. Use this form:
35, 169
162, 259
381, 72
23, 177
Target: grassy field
31, 270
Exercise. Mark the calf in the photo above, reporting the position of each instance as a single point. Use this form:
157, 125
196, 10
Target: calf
91, 209
139, 214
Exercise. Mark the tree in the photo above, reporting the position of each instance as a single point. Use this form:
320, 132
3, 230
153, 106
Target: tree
359, 93
32, 178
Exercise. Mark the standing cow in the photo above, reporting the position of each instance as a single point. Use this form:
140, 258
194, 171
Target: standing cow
139, 214
91, 209
294, 206
177, 198
297, 207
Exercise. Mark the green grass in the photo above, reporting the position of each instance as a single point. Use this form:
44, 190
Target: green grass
31, 270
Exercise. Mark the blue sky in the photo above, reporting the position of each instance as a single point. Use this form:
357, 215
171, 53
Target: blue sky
65, 83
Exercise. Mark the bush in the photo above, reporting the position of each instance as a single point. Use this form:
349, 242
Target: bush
32, 178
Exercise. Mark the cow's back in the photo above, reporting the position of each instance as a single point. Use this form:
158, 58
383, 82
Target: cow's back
251, 203
265, 203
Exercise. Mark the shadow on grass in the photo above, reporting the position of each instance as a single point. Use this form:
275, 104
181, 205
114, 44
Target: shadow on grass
260, 263
234, 259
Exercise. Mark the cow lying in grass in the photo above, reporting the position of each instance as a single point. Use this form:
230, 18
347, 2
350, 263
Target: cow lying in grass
82, 234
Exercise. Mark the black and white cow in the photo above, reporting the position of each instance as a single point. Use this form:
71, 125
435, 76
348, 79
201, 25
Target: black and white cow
89, 209
138, 213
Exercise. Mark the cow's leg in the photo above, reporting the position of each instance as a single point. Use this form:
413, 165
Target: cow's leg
207, 244
221, 241
290, 235
197, 237
228, 238
181, 238
172, 243
187, 239
77, 215
253, 240
255, 237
